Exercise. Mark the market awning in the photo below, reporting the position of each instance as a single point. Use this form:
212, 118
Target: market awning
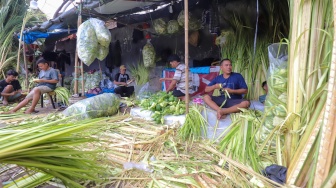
31, 36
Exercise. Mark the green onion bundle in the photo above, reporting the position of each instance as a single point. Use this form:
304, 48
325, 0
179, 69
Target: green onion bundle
63, 94
194, 125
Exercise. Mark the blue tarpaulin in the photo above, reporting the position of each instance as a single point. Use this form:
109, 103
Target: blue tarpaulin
31, 36
196, 70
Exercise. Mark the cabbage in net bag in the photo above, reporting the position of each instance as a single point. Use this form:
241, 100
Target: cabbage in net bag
194, 24
87, 45
160, 26
173, 27
103, 34
148, 55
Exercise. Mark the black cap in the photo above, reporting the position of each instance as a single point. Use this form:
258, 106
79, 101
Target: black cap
174, 57
12, 72
41, 60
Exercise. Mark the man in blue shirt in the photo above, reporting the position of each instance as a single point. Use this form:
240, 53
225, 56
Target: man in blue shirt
232, 83
48, 78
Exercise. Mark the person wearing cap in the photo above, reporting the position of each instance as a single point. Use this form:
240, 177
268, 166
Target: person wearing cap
231, 83
121, 80
46, 82
178, 83
10, 87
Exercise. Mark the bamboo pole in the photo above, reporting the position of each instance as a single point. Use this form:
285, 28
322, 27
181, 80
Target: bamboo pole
25, 65
82, 64
79, 21
328, 129
186, 53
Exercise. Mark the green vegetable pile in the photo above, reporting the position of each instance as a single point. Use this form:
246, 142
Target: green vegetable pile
162, 104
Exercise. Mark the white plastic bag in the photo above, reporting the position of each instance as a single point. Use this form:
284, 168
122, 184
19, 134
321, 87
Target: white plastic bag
87, 45
103, 34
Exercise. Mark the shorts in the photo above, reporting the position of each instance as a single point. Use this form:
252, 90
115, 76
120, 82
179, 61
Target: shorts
43, 89
178, 93
14, 97
229, 102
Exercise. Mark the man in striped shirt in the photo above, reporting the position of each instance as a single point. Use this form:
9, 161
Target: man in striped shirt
178, 83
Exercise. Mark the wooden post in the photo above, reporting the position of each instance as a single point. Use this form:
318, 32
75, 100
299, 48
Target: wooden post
82, 64
186, 53
79, 22
25, 66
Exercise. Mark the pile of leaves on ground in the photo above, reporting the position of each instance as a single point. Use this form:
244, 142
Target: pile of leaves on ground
123, 151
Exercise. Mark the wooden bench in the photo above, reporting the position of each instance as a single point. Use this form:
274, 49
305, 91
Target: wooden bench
51, 95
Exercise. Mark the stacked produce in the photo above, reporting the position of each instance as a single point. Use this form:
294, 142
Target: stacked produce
93, 40
162, 104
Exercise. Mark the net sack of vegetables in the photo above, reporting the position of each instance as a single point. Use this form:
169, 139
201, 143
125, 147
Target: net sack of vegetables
103, 34
106, 104
173, 27
194, 24
160, 26
148, 55
102, 52
87, 44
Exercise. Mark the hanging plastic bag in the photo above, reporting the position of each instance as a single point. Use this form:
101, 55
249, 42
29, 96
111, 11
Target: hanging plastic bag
148, 55
103, 34
87, 44
102, 52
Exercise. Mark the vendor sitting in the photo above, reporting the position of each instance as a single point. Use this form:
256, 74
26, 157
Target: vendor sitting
229, 82
178, 84
46, 82
10, 87
262, 98
121, 80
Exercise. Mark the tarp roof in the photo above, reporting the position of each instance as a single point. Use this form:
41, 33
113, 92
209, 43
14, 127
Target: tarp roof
123, 11
30, 36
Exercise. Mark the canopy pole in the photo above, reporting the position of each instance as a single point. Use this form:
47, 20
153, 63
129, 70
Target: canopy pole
186, 53
25, 65
82, 64
79, 21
